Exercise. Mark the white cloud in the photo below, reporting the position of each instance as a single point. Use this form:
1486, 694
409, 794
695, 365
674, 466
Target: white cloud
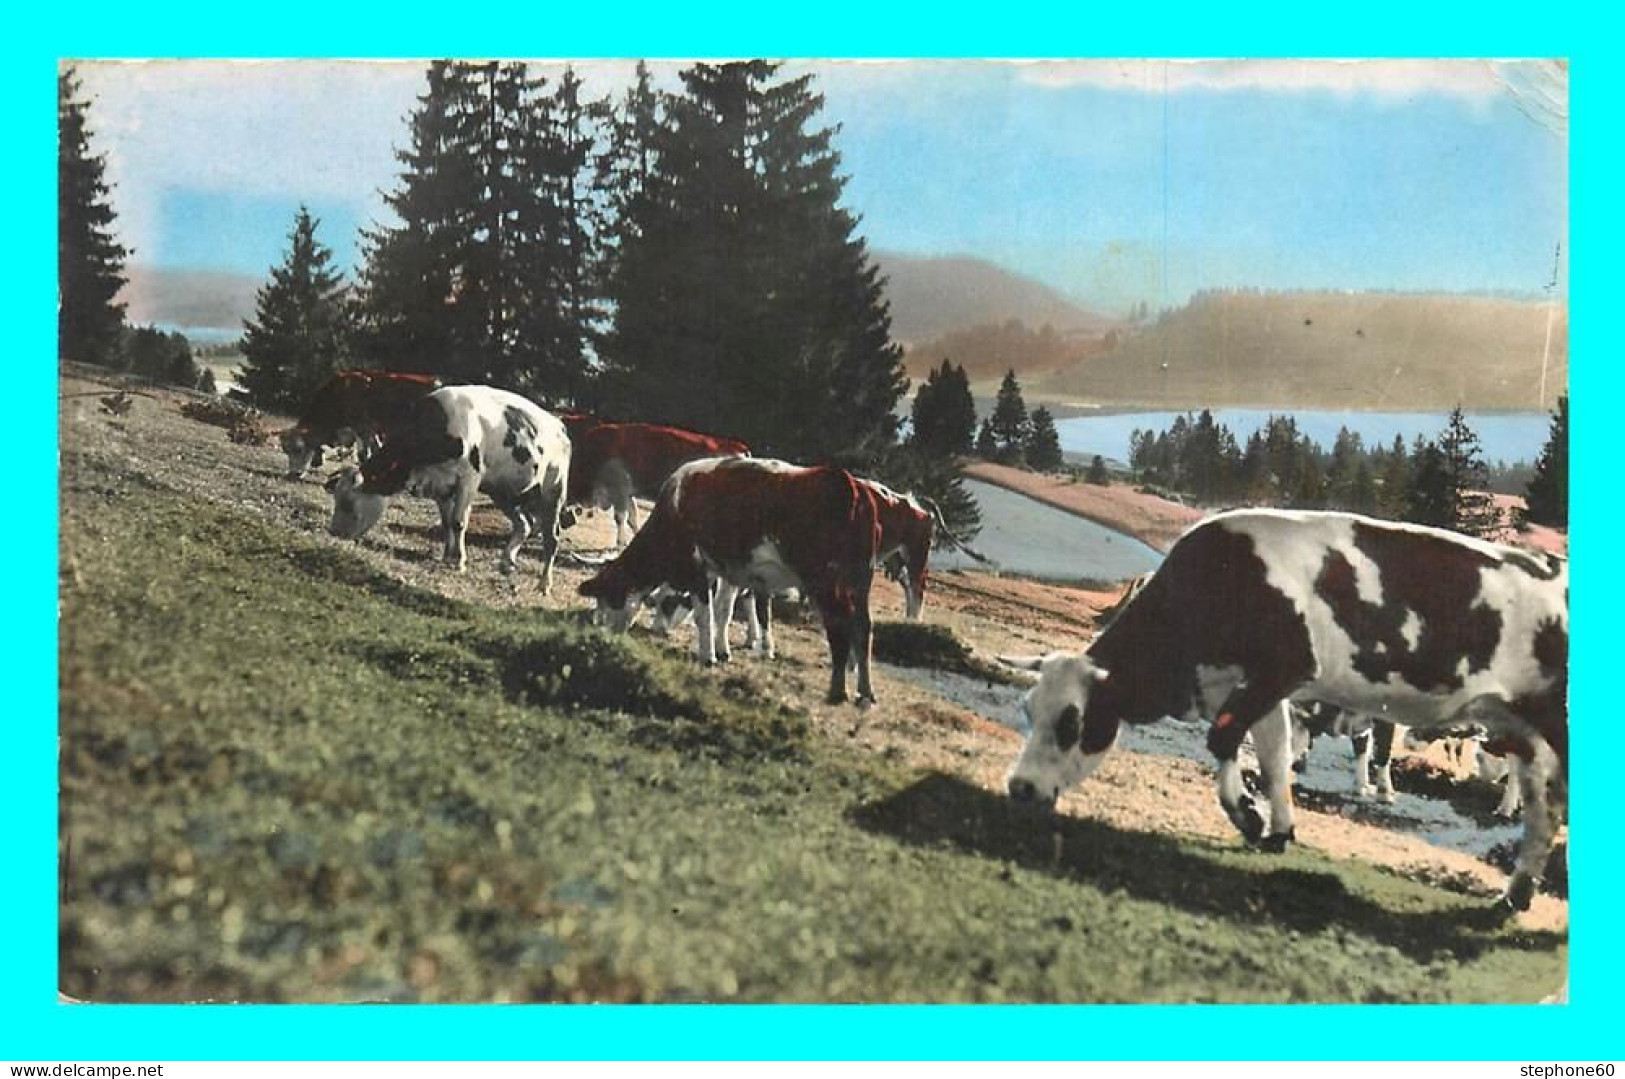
1396, 78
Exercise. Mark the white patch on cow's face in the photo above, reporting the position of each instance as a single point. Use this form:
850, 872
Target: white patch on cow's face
354, 511
1052, 761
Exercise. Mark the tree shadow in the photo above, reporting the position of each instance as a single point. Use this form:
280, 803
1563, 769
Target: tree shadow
1191, 874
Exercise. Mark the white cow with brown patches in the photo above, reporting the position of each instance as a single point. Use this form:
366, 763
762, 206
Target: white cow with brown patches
1253, 608
463, 441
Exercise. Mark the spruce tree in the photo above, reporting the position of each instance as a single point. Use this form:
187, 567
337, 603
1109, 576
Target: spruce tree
1097, 472
1011, 425
299, 335
1043, 447
1548, 491
1476, 513
90, 263
943, 419
745, 302
1430, 495
987, 446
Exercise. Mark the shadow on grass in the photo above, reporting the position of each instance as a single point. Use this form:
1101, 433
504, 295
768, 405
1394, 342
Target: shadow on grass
945, 811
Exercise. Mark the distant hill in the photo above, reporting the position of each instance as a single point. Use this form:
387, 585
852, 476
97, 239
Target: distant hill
931, 297
189, 297
1338, 350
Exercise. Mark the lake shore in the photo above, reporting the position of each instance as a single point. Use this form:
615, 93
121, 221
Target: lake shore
1154, 521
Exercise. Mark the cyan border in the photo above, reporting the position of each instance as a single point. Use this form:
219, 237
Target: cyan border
34, 1026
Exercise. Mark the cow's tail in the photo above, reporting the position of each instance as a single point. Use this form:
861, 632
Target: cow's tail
942, 523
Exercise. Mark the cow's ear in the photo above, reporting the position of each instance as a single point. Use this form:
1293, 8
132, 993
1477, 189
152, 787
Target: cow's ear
1099, 674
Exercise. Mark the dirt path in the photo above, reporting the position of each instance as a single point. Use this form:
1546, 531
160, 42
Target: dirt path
1153, 521
911, 724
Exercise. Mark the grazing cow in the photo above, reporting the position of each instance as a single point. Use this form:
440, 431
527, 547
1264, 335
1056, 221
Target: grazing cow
907, 531
614, 463
764, 525
366, 404
1253, 607
1373, 744
459, 441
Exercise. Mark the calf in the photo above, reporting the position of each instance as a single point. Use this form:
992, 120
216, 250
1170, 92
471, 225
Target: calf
765, 525
615, 463
1423, 626
364, 403
461, 440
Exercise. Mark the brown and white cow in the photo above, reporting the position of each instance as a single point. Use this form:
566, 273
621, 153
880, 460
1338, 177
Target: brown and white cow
907, 531
759, 524
362, 405
613, 464
1419, 625
461, 440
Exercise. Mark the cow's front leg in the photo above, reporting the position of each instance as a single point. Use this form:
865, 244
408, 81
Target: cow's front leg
1244, 707
705, 642
1272, 742
722, 619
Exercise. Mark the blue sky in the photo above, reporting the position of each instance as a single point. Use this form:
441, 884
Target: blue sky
1113, 181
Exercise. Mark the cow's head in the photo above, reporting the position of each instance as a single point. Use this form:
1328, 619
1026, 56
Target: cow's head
618, 601
920, 532
355, 510
1061, 749
303, 450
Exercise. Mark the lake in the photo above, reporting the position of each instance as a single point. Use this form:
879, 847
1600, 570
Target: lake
1028, 537
1502, 436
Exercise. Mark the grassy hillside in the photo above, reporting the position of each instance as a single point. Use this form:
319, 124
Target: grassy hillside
1350, 350
286, 775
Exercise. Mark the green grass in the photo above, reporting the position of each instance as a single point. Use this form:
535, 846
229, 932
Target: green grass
286, 776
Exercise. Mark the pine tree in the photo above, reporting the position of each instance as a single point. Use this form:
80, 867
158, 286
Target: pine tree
943, 418
411, 279
987, 446
1097, 472
1011, 425
1430, 496
1394, 482
746, 304
299, 334
1476, 513
1043, 447
1548, 492
90, 263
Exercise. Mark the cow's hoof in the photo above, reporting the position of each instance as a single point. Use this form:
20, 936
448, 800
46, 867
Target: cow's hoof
506, 568
1247, 820
834, 698
1276, 843
1518, 895
866, 701
1385, 797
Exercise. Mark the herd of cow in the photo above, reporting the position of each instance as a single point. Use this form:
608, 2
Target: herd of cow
1251, 613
